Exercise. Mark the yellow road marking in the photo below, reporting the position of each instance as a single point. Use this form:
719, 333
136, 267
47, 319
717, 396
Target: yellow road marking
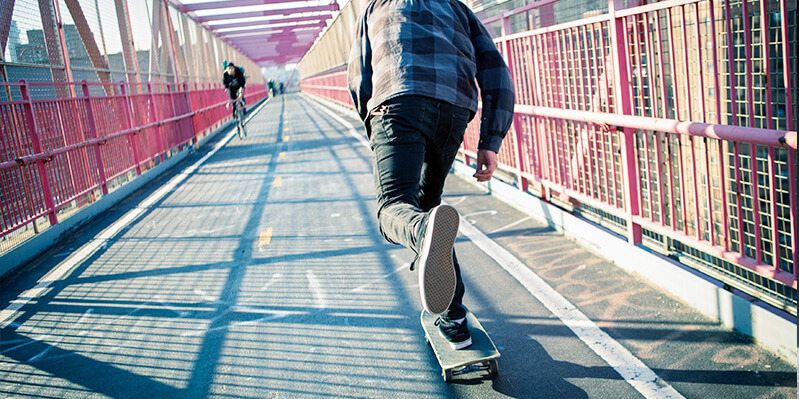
286, 138
266, 238
278, 182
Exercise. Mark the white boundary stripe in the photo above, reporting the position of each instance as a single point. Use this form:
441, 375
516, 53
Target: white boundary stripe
632, 369
350, 128
8, 314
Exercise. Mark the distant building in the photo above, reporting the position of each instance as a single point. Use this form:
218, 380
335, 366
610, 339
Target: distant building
35, 52
13, 41
548, 15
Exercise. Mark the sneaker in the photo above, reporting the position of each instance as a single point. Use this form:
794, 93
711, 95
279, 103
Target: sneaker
436, 269
457, 333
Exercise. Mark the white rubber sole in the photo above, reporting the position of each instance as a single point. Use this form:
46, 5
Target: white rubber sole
436, 269
457, 345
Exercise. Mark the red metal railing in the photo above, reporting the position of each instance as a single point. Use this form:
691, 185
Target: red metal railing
56, 152
647, 118
331, 85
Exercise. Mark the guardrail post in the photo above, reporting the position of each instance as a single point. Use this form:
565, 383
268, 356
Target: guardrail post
129, 118
159, 142
190, 109
36, 143
517, 130
623, 98
93, 128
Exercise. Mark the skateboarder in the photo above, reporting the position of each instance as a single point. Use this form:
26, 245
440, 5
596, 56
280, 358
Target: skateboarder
411, 73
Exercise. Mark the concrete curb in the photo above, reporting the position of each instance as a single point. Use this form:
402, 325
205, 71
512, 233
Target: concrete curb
41, 242
769, 327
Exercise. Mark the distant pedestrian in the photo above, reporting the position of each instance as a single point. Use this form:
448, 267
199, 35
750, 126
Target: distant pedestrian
411, 73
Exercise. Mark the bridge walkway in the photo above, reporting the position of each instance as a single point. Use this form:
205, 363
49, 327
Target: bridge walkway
256, 269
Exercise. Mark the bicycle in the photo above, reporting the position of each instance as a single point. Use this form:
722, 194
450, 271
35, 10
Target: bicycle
238, 114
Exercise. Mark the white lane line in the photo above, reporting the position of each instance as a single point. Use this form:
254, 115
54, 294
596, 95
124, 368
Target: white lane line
632, 369
509, 225
360, 288
10, 313
350, 128
320, 299
51, 345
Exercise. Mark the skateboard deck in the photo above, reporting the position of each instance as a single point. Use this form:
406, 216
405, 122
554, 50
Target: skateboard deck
481, 355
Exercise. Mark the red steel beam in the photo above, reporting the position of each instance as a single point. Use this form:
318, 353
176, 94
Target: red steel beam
272, 48
231, 34
278, 48
55, 46
266, 22
263, 36
300, 41
126, 37
288, 53
6, 9
266, 13
87, 37
212, 5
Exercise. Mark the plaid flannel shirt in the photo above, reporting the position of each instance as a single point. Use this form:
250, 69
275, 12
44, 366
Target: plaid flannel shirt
430, 48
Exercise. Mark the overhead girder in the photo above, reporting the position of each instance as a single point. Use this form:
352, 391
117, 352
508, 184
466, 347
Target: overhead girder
287, 35
257, 49
266, 13
212, 5
282, 58
317, 27
271, 46
275, 36
268, 22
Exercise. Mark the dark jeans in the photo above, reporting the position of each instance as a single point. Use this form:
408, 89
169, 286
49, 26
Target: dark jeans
414, 141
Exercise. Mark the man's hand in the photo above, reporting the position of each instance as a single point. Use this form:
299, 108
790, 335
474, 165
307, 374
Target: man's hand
486, 165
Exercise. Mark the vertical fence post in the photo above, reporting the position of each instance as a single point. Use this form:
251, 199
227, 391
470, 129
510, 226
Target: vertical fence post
176, 124
517, 129
129, 117
623, 97
189, 109
36, 143
159, 142
93, 129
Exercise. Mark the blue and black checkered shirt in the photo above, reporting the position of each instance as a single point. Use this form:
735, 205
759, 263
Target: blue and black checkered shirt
430, 48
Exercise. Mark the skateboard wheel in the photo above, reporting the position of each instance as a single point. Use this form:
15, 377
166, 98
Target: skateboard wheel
493, 367
447, 375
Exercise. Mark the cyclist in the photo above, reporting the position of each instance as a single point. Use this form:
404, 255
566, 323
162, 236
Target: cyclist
234, 81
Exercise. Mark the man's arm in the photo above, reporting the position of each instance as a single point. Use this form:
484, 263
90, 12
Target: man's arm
496, 90
359, 69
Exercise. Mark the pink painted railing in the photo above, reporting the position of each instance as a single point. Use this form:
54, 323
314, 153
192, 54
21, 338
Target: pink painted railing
58, 151
331, 85
644, 120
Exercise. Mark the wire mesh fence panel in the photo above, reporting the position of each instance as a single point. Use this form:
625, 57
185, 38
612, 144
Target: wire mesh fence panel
701, 186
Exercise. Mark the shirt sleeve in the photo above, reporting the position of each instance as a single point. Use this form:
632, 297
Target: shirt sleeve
496, 88
359, 69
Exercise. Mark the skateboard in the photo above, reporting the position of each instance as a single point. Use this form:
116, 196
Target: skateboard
481, 355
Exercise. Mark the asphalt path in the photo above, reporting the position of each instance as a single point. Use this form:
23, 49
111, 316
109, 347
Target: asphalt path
255, 269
